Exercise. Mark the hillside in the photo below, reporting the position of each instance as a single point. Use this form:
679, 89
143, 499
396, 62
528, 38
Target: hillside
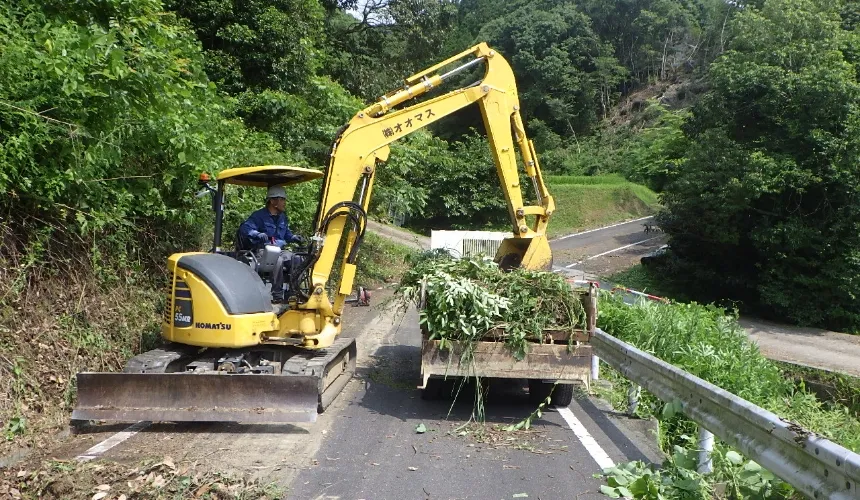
584, 202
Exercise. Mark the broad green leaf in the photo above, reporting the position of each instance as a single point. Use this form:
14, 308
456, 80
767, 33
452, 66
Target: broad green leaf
609, 491
687, 484
734, 457
752, 466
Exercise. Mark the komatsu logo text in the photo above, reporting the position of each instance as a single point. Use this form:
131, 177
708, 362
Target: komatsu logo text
213, 326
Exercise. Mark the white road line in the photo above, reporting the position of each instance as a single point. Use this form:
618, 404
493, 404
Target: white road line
560, 238
585, 438
611, 251
112, 441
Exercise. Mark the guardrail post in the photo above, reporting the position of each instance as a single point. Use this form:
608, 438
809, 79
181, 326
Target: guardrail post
706, 446
591, 319
633, 393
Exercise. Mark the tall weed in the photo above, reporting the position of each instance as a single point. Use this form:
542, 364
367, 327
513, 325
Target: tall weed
709, 343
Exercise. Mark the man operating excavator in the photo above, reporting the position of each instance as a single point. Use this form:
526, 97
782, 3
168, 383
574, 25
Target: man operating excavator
270, 226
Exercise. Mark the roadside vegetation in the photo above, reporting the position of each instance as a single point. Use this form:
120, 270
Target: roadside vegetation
381, 261
708, 343
829, 386
650, 280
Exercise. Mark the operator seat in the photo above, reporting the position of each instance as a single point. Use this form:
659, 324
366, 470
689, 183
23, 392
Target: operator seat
261, 260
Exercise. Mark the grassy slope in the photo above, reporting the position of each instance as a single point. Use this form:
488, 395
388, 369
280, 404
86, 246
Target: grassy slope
647, 280
381, 261
587, 202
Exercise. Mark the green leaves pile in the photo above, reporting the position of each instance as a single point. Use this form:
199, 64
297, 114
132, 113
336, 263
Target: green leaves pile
467, 298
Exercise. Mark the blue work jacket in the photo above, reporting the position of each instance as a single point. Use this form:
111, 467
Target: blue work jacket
275, 227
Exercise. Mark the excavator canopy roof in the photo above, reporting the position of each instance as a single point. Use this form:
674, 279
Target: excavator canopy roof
268, 175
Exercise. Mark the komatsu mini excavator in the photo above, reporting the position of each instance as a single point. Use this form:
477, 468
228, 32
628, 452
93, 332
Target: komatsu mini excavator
228, 356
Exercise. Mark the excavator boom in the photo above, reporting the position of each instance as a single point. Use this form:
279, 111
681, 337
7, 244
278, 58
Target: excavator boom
363, 144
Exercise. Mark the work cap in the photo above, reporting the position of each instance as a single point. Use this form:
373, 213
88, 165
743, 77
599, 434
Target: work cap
276, 192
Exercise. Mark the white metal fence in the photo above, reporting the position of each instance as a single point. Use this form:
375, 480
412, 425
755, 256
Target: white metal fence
468, 243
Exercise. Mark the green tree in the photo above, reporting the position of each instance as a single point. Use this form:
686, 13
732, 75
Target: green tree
371, 54
765, 208
437, 185
106, 118
269, 55
559, 63
257, 44
661, 39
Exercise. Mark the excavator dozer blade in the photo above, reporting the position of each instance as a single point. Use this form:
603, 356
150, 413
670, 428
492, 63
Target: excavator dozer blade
182, 397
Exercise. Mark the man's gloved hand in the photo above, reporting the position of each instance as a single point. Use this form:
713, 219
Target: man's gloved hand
301, 240
261, 238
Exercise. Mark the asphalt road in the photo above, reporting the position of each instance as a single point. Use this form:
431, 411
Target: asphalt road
365, 443
604, 251
375, 451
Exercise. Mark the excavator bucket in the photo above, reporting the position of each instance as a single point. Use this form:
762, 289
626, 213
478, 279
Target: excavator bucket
528, 253
182, 397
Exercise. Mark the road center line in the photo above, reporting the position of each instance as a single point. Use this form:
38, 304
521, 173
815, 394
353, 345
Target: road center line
611, 251
560, 238
112, 441
585, 438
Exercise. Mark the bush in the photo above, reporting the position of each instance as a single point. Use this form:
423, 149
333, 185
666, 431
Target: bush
708, 343
110, 119
764, 208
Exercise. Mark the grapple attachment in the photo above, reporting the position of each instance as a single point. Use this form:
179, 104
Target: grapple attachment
185, 397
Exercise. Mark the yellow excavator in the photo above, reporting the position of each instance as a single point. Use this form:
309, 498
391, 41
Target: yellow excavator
229, 355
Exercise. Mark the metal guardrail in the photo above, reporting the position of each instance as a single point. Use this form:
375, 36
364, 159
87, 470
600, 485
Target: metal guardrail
813, 465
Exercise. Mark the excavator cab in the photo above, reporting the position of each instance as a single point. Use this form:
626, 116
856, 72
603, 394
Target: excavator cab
261, 177
261, 259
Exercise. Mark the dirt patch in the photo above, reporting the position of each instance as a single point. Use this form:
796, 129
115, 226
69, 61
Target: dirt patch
163, 479
54, 324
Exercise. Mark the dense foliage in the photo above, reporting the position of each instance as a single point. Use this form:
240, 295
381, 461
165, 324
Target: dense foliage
107, 116
764, 207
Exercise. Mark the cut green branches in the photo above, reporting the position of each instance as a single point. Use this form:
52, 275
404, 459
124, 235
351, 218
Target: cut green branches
468, 299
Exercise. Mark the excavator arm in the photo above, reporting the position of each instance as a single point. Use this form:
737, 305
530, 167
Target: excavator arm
363, 144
